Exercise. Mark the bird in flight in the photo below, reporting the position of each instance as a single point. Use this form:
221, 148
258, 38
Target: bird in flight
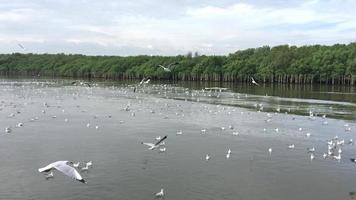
21, 46
169, 67
64, 167
154, 146
145, 81
254, 82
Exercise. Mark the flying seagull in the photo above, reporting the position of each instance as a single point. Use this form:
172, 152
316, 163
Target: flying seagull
153, 146
65, 168
253, 81
145, 80
21, 46
169, 67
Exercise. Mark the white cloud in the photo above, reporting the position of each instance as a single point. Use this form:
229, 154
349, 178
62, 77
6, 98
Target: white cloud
207, 28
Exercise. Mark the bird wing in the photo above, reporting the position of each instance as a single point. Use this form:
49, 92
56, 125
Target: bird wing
162, 66
21, 46
148, 144
47, 168
68, 171
161, 140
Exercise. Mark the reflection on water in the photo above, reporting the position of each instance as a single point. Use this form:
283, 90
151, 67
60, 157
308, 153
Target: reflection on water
125, 169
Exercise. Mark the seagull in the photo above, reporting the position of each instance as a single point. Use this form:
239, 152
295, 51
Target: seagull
207, 157
163, 149
86, 168
227, 155
179, 132
160, 193
89, 164
312, 156
76, 165
291, 146
270, 151
8, 130
311, 150
353, 160
65, 168
253, 81
168, 68
21, 46
144, 81
50, 175
154, 146
338, 157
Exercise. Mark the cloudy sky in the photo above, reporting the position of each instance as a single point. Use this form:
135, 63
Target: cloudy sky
170, 27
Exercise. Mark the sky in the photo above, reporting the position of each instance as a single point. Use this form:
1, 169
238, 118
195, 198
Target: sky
171, 27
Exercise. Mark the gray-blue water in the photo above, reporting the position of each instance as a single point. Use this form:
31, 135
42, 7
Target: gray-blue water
123, 168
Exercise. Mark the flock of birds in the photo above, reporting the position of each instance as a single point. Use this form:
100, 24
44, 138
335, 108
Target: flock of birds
72, 169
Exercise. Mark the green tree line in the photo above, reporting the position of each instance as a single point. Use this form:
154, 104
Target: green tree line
334, 64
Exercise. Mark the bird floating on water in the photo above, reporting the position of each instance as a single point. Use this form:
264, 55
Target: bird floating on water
160, 193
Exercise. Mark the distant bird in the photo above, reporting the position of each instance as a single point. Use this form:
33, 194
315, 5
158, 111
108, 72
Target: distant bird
180, 132
270, 151
86, 168
207, 157
50, 175
253, 81
312, 156
169, 67
8, 130
291, 146
145, 81
76, 165
353, 160
163, 149
89, 163
160, 193
21, 46
311, 150
154, 146
65, 168
227, 156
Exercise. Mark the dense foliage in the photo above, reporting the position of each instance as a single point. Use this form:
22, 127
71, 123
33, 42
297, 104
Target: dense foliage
285, 64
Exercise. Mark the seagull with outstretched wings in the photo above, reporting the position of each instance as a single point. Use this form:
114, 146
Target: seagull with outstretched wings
65, 168
153, 146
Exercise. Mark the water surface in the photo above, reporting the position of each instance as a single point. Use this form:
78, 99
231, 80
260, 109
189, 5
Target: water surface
125, 169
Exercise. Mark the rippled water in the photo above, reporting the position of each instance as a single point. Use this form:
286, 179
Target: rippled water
125, 169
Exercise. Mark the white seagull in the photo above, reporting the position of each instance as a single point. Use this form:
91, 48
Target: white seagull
168, 68
65, 168
253, 81
154, 146
50, 175
160, 193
